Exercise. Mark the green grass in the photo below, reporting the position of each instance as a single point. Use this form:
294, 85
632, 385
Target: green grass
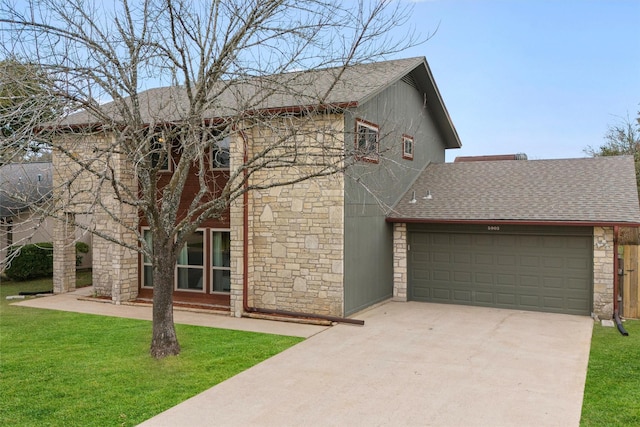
60, 368
612, 390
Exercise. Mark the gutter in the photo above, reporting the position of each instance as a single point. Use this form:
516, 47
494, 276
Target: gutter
513, 222
291, 109
616, 284
245, 266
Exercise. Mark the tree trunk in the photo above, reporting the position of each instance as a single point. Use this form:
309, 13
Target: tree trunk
164, 341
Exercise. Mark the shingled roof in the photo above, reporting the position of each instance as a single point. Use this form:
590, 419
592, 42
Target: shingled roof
23, 184
290, 92
599, 190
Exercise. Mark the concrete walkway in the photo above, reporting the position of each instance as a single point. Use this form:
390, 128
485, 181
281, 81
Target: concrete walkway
70, 302
412, 364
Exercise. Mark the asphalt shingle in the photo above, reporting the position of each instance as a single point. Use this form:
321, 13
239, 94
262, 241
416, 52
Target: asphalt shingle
304, 88
23, 184
593, 190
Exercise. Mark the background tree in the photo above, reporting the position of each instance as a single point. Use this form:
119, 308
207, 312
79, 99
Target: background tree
23, 87
622, 138
227, 57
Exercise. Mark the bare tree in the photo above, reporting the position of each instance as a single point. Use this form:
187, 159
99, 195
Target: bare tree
622, 138
25, 102
221, 65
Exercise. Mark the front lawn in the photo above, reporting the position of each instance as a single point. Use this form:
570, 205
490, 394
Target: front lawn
612, 391
59, 368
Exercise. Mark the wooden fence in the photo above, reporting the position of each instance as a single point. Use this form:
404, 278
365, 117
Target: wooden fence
631, 282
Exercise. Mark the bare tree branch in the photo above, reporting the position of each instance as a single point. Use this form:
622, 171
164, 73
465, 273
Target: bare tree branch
221, 67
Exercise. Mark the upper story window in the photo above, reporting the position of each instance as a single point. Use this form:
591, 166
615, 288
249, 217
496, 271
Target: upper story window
407, 147
161, 154
220, 158
367, 140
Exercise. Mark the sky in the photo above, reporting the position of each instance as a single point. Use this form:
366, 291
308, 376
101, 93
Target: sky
540, 77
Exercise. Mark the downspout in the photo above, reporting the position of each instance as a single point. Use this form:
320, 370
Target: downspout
245, 264
616, 283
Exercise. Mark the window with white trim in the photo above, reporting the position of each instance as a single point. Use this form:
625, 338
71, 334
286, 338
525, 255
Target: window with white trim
407, 147
190, 265
147, 267
220, 261
367, 140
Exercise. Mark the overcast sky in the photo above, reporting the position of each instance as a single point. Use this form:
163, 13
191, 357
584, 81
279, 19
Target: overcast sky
540, 77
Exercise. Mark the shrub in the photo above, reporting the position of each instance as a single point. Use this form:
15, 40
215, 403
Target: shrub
81, 248
30, 261
36, 260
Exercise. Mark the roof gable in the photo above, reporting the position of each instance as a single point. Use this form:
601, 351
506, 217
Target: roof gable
591, 190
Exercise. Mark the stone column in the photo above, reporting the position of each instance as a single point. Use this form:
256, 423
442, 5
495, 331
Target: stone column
125, 275
603, 272
237, 235
64, 255
237, 260
400, 276
115, 267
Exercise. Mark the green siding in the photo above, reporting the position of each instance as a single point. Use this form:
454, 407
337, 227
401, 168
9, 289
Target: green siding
370, 189
398, 110
369, 257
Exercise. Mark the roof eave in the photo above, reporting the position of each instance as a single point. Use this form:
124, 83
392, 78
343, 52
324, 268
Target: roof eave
440, 112
514, 222
293, 109
301, 109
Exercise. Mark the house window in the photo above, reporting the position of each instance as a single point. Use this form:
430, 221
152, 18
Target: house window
161, 154
190, 265
220, 158
147, 267
367, 140
220, 261
407, 147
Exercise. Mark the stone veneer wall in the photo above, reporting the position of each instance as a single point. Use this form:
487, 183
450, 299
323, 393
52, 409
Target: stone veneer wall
296, 232
400, 276
115, 268
64, 255
603, 271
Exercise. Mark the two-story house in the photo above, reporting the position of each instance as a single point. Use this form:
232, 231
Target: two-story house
397, 222
321, 246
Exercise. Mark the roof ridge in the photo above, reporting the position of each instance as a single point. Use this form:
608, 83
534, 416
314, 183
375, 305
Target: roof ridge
306, 71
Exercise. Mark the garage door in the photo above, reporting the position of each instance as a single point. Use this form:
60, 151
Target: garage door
541, 269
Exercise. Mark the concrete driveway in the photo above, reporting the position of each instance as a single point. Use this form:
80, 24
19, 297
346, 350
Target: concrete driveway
412, 364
